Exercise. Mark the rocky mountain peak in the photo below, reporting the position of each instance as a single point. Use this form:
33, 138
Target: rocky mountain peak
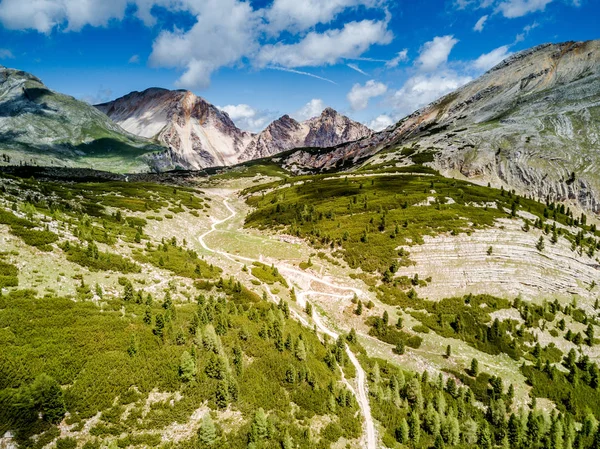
202, 135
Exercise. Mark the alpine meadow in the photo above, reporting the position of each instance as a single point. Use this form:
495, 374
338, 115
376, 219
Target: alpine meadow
417, 268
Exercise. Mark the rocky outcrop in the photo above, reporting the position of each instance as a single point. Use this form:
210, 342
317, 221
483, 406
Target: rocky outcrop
527, 124
200, 135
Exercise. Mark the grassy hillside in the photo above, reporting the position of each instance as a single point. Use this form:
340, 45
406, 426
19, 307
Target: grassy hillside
119, 329
45, 128
141, 342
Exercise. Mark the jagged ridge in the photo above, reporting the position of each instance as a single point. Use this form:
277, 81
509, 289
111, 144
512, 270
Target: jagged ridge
201, 135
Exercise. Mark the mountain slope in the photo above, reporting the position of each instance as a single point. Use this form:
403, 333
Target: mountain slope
201, 135
529, 124
39, 126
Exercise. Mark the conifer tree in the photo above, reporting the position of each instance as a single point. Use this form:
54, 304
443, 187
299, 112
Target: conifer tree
207, 433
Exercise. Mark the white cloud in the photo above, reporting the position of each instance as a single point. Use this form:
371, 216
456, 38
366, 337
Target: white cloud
5, 53
401, 56
44, 15
359, 96
480, 24
135, 59
422, 89
246, 117
329, 47
526, 30
103, 95
489, 60
356, 68
224, 32
519, 8
300, 15
435, 53
311, 109
381, 122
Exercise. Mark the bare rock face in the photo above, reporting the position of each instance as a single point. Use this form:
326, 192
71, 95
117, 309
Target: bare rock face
528, 124
200, 135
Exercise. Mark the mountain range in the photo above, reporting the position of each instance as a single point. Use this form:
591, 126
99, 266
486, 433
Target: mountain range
531, 123
201, 135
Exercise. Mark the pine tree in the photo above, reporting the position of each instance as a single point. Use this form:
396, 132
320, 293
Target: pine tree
514, 431
556, 437
474, 371
222, 394
359, 308
402, 432
300, 350
375, 374
187, 367
48, 398
484, 438
414, 393
207, 433
414, 428
159, 325
540, 244
309, 309
260, 427
128, 292
147, 316
589, 332
448, 351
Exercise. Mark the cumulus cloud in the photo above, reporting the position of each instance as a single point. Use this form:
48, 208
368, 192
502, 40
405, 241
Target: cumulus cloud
135, 59
422, 89
5, 53
328, 47
519, 8
300, 15
435, 53
359, 96
381, 122
489, 60
401, 56
480, 24
246, 117
311, 109
225, 31
44, 15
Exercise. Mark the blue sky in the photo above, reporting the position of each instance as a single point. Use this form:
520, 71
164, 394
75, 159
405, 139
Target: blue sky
373, 60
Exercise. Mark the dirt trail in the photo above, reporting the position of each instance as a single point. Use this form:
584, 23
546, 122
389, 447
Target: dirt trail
369, 438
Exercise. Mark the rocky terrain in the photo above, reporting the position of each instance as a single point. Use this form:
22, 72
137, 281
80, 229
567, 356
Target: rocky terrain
41, 127
531, 124
200, 135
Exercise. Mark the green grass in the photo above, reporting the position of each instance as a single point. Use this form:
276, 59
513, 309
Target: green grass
269, 275
95, 260
178, 260
88, 351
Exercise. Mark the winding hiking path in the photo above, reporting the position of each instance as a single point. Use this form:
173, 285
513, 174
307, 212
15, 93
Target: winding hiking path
370, 438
